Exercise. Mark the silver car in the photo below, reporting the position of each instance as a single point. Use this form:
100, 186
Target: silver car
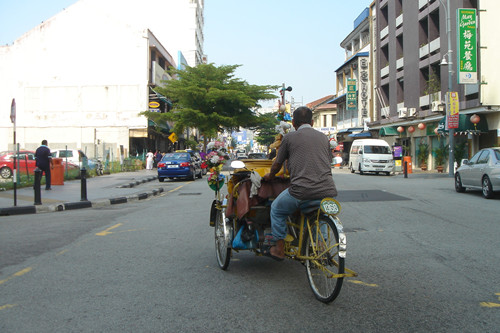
481, 172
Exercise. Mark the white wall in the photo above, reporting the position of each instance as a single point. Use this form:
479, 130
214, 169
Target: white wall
83, 74
489, 51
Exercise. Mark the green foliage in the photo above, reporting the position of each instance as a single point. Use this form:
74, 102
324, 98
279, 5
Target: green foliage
441, 153
423, 153
191, 144
266, 130
433, 84
211, 99
459, 152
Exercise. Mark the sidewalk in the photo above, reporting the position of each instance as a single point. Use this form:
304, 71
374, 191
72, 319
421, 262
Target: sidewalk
101, 191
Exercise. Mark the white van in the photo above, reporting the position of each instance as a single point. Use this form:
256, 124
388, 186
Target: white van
371, 155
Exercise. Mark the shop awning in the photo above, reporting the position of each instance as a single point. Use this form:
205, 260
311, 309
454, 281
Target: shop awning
337, 99
387, 131
160, 97
350, 130
361, 135
465, 126
160, 126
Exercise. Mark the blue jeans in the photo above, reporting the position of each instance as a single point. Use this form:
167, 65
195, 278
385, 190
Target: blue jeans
283, 206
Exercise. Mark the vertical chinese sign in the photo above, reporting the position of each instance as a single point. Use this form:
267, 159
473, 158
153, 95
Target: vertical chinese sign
452, 116
467, 45
351, 94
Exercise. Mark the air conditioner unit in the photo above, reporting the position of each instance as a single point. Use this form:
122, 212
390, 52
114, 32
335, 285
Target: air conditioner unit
412, 112
403, 112
436, 106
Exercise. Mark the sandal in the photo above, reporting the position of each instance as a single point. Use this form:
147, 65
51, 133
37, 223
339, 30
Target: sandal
266, 251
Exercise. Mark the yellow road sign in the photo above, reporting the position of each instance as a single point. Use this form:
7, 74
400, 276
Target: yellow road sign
172, 137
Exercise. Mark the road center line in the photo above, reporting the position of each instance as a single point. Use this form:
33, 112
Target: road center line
20, 273
107, 231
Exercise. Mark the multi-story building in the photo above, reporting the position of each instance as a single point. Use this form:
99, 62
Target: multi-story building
81, 78
324, 115
414, 57
354, 84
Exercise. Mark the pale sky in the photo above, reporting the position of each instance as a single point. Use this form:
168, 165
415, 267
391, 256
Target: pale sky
296, 42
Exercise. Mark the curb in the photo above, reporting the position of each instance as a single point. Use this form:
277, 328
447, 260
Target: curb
20, 210
138, 182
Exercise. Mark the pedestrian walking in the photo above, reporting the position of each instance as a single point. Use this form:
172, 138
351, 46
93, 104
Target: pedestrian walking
149, 161
43, 160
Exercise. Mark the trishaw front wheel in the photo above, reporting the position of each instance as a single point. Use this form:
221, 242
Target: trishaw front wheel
324, 266
223, 239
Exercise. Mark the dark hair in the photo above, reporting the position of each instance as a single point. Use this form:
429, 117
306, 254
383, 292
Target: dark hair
302, 115
44, 142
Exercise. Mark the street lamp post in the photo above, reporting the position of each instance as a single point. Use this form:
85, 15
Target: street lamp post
449, 63
283, 101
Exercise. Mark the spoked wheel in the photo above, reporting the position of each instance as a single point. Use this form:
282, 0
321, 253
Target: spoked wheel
223, 239
324, 264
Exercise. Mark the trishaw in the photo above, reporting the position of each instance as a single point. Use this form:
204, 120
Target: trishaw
315, 236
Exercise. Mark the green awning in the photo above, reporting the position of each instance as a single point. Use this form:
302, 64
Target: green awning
160, 126
387, 131
465, 126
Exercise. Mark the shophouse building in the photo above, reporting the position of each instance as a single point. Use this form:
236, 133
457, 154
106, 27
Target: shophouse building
354, 84
417, 58
81, 78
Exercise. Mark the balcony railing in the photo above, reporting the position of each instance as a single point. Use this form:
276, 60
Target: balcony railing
384, 71
384, 33
435, 45
400, 63
424, 51
399, 21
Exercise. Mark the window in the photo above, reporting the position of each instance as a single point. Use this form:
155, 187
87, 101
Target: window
484, 157
377, 150
474, 158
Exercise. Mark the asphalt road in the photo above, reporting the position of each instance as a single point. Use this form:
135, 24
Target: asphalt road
427, 260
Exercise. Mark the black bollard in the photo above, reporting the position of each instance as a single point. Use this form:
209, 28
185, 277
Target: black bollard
36, 186
83, 178
406, 169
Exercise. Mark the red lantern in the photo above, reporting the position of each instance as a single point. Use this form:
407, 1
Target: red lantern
400, 129
411, 129
421, 126
475, 119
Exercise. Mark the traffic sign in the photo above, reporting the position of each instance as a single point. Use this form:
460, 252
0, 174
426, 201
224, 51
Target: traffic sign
173, 137
13, 111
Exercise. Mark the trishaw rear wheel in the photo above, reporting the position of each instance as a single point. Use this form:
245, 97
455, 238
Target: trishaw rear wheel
223, 239
324, 266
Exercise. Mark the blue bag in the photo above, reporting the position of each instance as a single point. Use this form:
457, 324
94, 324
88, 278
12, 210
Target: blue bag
239, 244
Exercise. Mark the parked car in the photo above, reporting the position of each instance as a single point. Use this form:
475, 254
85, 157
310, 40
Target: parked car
197, 158
27, 163
371, 155
481, 172
73, 156
257, 156
178, 165
241, 156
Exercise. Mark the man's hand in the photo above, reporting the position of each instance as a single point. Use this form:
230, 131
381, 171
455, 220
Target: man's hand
269, 176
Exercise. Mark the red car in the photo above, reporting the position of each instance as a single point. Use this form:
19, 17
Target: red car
26, 163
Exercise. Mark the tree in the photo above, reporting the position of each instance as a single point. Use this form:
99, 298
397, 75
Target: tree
211, 99
266, 130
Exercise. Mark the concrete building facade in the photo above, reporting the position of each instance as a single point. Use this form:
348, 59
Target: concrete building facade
81, 78
411, 79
